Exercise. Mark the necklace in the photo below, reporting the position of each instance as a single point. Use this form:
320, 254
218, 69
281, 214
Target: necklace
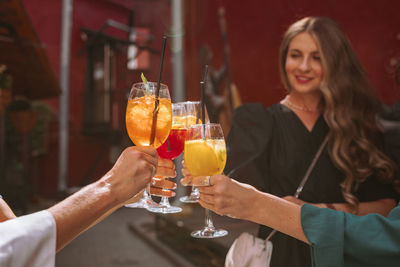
290, 104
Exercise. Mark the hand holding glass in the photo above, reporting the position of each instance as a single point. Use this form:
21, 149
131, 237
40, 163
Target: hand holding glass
139, 122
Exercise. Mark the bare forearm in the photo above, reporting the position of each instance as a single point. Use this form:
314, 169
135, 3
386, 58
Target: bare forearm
277, 213
81, 210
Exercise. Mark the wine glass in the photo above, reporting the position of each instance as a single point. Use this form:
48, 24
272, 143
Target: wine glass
193, 115
143, 110
171, 149
205, 155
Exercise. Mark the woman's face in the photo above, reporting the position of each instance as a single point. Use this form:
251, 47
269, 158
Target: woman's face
303, 64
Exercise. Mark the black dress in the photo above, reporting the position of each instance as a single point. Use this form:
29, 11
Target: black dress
271, 149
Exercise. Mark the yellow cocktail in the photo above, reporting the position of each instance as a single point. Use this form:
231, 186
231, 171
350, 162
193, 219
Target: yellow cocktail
205, 157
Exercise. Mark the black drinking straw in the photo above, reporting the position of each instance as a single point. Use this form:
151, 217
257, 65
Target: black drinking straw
200, 109
203, 85
155, 112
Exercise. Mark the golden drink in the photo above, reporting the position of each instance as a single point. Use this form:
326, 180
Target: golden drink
205, 157
186, 121
139, 120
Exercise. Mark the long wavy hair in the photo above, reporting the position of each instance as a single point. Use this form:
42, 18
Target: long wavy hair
349, 103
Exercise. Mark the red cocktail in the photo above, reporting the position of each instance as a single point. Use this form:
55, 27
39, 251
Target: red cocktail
174, 144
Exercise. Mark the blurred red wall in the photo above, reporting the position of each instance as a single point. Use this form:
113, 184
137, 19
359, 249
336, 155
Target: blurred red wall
255, 29
46, 18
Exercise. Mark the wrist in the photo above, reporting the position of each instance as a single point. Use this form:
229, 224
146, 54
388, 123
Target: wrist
255, 199
118, 191
107, 191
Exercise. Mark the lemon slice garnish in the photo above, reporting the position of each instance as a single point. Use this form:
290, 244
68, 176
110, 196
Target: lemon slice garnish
201, 158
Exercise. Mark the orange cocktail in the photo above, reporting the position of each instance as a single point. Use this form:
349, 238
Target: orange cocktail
139, 120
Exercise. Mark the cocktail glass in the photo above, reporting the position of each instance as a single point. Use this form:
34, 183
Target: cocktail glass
144, 109
205, 155
171, 149
193, 115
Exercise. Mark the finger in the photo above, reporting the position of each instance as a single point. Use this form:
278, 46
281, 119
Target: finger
211, 207
146, 149
151, 160
201, 181
149, 154
161, 192
162, 183
166, 163
152, 168
209, 199
209, 190
164, 172
185, 172
186, 181
206, 205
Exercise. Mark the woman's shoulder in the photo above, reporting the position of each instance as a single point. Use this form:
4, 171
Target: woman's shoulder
256, 112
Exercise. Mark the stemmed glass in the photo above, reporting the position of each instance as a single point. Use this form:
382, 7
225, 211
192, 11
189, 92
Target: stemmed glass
171, 149
205, 155
193, 115
142, 110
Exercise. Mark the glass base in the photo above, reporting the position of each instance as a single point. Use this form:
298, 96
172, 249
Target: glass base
143, 203
165, 209
189, 199
209, 233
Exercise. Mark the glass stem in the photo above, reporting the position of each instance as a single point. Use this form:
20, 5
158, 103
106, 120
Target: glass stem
164, 202
146, 192
195, 192
208, 220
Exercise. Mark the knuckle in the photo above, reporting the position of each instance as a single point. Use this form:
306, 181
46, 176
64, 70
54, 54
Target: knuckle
218, 190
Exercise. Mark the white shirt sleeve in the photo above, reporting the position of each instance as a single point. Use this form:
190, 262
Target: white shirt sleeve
28, 241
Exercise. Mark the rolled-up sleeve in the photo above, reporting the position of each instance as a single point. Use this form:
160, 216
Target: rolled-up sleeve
28, 241
343, 239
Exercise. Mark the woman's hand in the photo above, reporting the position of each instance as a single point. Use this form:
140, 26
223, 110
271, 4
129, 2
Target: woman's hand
225, 196
222, 194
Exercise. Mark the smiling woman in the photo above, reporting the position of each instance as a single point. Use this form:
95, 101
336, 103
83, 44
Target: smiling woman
303, 66
271, 148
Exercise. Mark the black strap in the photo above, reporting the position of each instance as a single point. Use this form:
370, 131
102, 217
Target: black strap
306, 176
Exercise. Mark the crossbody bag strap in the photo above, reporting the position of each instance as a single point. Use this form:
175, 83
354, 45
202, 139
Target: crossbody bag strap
306, 176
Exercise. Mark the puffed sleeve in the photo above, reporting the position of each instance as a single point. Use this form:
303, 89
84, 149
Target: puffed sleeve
343, 239
28, 241
246, 142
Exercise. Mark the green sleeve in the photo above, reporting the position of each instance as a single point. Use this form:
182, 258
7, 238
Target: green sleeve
343, 239
324, 230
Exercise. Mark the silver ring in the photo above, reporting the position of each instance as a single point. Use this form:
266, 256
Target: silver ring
207, 181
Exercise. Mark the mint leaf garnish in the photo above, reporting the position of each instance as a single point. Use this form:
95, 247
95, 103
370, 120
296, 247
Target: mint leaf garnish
146, 84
